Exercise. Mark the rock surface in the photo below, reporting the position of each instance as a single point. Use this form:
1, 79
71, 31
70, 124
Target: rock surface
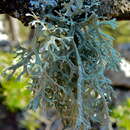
122, 78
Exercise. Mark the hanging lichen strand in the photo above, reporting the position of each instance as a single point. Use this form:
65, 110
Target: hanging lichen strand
66, 61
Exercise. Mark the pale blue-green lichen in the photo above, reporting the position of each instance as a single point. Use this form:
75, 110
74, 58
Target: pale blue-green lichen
66, 62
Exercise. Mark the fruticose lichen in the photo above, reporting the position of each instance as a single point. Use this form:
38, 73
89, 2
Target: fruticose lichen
66, 61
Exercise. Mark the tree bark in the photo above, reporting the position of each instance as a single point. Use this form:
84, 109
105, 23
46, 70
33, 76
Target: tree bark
16, 9
119, 9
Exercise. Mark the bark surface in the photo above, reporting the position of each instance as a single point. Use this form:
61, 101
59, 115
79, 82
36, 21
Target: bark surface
119, 9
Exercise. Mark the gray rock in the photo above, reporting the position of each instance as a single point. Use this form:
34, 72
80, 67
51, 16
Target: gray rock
124, 50
5, 45
122, 78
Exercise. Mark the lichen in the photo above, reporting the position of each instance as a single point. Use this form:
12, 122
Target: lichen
66, 61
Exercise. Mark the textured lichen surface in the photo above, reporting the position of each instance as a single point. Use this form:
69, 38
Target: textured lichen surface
119, 9
115, 8
66, 61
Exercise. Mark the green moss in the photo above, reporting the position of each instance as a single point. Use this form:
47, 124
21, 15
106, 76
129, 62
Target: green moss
17, 95
121, 115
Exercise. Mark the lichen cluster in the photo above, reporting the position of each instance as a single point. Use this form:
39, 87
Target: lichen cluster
67, 59
116, 8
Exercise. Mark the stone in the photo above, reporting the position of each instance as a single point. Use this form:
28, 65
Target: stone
122, 78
